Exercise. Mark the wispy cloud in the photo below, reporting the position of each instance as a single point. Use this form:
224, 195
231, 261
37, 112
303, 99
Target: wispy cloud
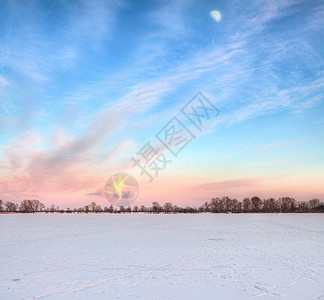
171, 18
304, 139
238, 183
95, 194
4, 82
250, 68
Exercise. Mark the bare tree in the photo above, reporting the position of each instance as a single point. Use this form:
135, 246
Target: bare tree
313, 203
237, 205
200, 209
31, 206
247, 204
52, 209
222, 204
26, 206
143, 208
1, 205
98, 208
156, 208
35, 205
269, 205
206, 207
176, 209
11, 207
303, 207
167, 207
256, 203
228, 203
41, 207
214, 205
93, 206
287, 204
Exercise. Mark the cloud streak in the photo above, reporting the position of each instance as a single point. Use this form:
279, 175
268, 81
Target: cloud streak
238, 183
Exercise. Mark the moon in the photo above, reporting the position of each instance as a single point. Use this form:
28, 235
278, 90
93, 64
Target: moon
216, 15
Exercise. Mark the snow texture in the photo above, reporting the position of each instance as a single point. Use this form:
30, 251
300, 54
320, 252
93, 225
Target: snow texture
142, 256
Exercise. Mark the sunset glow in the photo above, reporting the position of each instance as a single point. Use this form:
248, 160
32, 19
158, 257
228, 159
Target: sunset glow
84, 86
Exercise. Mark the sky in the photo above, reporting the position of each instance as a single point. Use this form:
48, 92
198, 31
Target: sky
85, 86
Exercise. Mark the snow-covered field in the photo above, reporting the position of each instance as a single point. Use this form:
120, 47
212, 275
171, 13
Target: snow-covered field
140, 256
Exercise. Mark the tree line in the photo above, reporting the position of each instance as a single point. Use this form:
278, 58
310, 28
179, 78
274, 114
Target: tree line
215, 205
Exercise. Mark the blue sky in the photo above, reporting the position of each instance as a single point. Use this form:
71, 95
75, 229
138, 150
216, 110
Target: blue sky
85, 84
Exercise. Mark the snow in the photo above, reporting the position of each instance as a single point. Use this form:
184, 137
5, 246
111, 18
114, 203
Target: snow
142, 256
